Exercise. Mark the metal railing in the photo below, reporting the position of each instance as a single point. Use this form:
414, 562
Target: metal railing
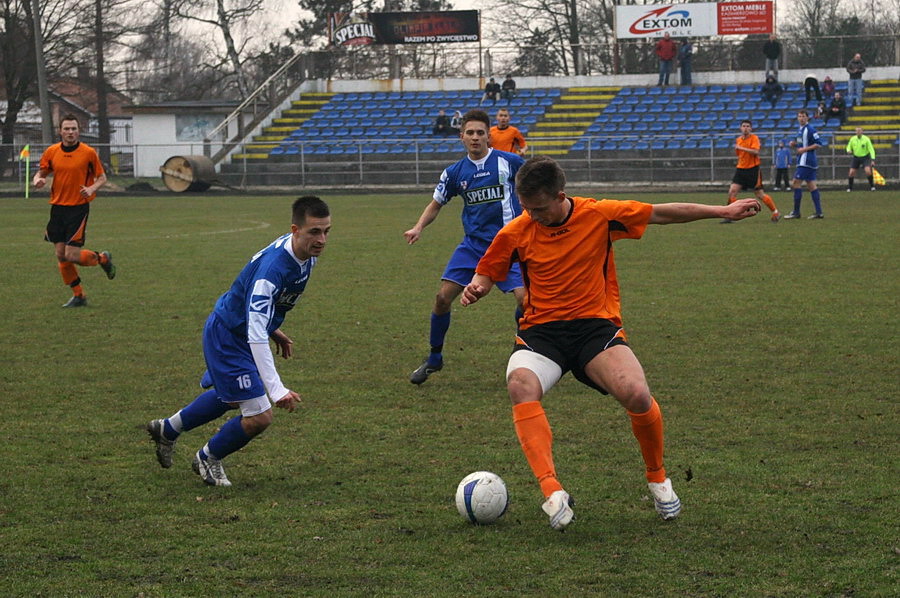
255, 109
412, 164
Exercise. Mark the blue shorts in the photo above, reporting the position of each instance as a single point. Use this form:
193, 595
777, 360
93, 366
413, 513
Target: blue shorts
461, 268
805, 173
229, 364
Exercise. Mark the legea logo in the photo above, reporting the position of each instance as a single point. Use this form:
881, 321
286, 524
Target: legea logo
658, 20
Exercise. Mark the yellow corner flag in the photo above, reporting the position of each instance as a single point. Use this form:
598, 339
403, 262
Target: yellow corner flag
25, 154
876, 176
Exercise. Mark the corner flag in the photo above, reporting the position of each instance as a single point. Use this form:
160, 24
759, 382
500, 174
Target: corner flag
25, 154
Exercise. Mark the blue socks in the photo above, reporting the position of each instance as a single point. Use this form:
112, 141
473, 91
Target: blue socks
205, 408
817, 201
816, 198
440, 324
229, 439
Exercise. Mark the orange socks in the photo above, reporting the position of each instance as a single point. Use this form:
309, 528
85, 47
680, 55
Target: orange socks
648, 429
70, 276
88, 258
536, 439
769, 203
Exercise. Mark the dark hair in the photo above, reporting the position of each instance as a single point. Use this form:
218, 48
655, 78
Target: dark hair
479, 115
747, 120
68, 116
538, 175
309, 205
803, 111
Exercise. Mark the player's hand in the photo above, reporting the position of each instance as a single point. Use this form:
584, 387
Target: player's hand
472, 293
284, 346
743, 208
86, 192
288, 401
39, 182
412, 235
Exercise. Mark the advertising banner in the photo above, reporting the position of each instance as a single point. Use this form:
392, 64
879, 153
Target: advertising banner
349, 29
703, 19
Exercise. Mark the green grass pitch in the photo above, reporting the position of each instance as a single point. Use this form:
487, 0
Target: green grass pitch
772, 349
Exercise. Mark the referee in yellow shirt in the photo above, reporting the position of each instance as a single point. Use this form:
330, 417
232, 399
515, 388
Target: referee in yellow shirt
863, 154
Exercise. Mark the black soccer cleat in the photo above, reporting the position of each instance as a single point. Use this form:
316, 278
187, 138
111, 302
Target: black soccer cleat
423, 371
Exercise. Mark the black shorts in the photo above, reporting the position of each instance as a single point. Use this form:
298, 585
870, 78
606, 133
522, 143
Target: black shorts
572, 344
747, 178
858, 162
68, 224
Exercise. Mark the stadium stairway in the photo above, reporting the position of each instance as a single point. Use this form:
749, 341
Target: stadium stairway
569, 117
878, 115
300, 111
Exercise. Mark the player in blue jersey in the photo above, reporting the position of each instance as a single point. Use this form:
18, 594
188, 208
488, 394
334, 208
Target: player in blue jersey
240, 366
806, 144
485, 180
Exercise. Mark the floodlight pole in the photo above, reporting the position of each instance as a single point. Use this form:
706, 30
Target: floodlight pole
46, 117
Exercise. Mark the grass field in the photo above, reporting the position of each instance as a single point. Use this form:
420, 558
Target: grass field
772, 349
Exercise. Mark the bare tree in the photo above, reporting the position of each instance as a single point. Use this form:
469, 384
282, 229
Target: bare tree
224, 15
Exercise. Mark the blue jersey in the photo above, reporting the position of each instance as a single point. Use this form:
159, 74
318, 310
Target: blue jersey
266, 289
807, 136
783, 158
488, 189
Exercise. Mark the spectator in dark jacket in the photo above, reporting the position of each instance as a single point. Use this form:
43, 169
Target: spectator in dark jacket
856, 68
828, 88
772, 52
837, 109
772, 90
491, 92
508, 89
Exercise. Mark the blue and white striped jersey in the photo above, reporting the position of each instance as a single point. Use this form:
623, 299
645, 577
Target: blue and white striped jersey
807, 136
266, 289
488, 189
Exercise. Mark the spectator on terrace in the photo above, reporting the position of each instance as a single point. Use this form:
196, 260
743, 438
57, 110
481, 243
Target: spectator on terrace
837, 109
665, 50
772, 51
811, 86
856, 68
820, 111
456, 122
508, 89
685, 53
441, 124
772, 90
828, 88
491, 92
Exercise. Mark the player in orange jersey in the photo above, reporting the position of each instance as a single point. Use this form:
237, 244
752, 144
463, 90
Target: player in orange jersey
746, 175
77, 174
572, 319
506, 137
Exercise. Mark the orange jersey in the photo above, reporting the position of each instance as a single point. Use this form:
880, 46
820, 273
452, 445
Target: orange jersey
746, 159
71, 170
507, 140
569, 270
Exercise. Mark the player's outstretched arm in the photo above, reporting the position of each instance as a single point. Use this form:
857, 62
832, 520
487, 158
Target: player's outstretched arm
480, 286
672, 213
428, 215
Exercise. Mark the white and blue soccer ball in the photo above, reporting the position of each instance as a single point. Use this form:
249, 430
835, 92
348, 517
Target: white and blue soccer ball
481, 497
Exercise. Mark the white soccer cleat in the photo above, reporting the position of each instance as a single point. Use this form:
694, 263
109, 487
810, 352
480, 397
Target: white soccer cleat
665, 500
210, 470
559, 507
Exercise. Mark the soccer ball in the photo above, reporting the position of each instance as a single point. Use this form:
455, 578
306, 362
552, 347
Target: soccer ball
481, 497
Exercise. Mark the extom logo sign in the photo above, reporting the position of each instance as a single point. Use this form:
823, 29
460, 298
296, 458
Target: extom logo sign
661, 19
700, 19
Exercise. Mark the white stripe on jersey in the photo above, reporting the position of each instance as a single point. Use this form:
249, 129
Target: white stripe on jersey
260, 310
504, 170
